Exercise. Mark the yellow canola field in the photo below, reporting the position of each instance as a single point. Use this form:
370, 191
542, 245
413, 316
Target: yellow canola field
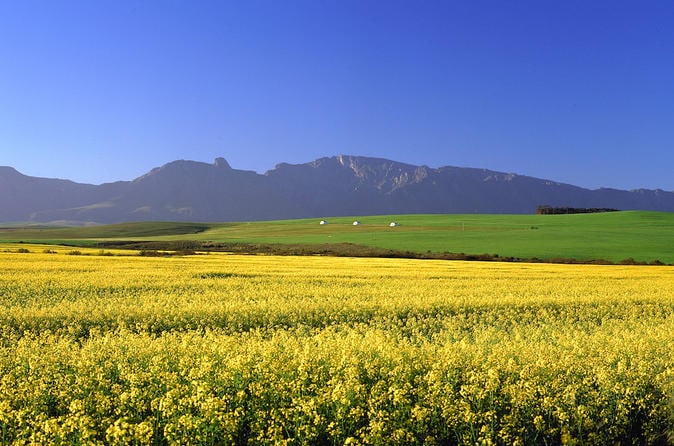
225, 349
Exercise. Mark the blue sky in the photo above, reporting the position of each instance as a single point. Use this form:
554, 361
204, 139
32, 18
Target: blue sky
580, 92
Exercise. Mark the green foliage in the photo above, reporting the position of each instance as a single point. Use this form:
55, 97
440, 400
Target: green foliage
644, 237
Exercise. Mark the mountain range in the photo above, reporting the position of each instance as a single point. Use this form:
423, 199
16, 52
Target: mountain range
335, 186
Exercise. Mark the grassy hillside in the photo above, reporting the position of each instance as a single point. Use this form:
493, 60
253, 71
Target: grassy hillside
643, 236
121, 231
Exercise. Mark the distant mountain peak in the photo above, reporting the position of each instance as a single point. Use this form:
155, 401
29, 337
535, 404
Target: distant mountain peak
330, 186
221, 163
177, 167
9, 171
356, 160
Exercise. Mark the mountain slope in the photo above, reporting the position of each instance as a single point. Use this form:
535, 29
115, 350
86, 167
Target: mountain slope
339, 185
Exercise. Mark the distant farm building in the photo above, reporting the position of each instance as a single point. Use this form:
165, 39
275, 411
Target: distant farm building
323, 222
393, 224
356, 223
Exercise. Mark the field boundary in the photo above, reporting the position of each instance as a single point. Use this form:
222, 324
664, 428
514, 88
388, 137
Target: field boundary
187, 247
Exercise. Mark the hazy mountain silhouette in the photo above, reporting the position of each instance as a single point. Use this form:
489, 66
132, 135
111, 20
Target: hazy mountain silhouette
335, 186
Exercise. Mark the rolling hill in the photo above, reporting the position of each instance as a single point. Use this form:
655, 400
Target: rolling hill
644, 236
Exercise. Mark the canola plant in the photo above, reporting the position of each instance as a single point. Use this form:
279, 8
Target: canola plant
225, 349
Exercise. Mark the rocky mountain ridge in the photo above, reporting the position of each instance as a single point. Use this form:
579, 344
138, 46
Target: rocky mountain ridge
332, 186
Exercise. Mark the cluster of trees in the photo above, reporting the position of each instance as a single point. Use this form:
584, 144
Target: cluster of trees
567, 210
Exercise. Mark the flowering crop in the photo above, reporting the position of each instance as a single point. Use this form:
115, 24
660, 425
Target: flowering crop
225, 349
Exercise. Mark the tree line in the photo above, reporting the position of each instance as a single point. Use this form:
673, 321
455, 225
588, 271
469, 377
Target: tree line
546, 210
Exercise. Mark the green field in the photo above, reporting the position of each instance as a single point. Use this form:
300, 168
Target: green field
614, 236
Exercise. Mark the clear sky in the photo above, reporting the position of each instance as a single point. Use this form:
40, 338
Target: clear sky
576, 91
